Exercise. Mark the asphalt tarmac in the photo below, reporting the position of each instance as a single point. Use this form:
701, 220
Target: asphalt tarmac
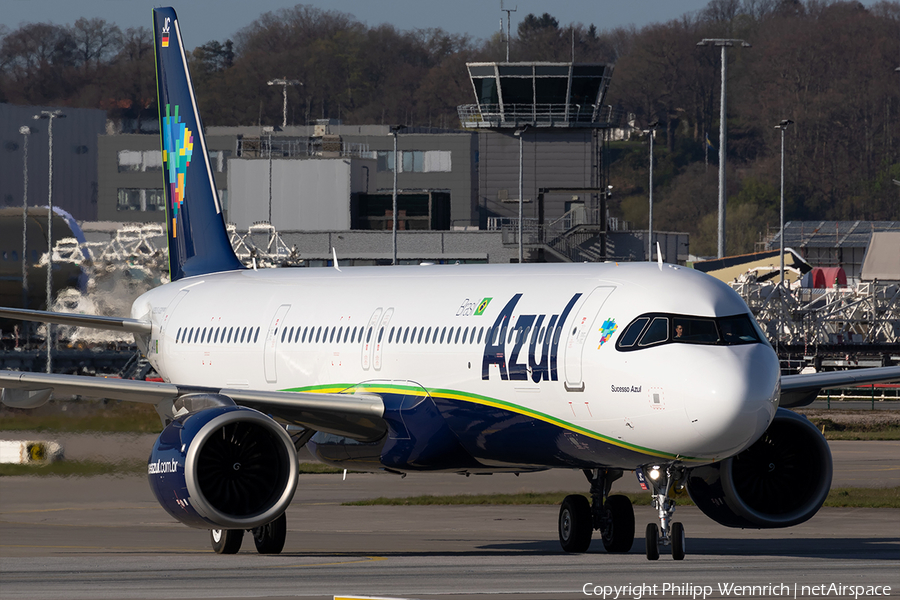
104, 538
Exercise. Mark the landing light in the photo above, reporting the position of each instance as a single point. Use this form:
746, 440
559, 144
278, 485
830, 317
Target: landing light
654, 473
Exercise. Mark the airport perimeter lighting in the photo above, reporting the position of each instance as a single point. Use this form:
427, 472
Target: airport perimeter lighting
651, 132
519, 133
50, 115
783, 127
25, 130
284, 83
394, 130
723, 44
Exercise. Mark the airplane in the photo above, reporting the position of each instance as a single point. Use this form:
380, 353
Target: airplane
65, 274
606, 368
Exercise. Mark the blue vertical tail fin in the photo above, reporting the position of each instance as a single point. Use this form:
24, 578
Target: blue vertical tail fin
198, 240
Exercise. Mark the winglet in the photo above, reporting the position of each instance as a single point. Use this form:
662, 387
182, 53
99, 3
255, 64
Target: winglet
334, 254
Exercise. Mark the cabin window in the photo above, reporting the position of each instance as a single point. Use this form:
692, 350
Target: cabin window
380, 334
178, 335
203, 335
256, 335
406, 335
331, 339
391, 336
480, 331
419, 341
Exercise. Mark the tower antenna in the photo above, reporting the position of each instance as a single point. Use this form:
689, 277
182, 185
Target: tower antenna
507, 11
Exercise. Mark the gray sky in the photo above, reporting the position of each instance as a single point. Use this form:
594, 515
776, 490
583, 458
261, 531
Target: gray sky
202, 21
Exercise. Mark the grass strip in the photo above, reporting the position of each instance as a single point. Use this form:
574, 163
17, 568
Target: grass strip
838, 497
112, 417
864, 497
76, 468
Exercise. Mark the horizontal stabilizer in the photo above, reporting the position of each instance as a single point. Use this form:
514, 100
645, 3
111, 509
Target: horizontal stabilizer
76, 320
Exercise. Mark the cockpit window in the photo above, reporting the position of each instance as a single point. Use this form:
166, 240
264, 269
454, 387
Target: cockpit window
656, 333
738, 330
630, 335
654, 329
698, 331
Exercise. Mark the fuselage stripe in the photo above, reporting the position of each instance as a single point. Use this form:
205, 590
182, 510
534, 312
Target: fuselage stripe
486, 401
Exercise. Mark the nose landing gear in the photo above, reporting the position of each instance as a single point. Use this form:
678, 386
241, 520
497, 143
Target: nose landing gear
612, 516
668, 533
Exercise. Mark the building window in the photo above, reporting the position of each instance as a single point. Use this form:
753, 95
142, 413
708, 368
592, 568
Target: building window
140, 199
140, 160
218, 160
416, 161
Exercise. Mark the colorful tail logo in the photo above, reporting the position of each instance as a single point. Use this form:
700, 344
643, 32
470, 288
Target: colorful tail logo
178, 146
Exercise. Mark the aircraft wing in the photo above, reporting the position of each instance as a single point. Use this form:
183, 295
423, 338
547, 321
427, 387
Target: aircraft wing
801, 390
353, 415
77, 320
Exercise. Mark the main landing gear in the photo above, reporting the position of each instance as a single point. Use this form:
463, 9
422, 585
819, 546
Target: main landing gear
667, 533
612, 516
269, 538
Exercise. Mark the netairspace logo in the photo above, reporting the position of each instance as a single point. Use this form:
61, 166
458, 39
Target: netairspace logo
159, 467
728, 590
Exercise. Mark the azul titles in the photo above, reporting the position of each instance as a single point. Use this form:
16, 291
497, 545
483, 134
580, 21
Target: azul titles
500, 337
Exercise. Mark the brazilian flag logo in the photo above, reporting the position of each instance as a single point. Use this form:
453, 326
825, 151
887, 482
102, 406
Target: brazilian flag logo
482, 306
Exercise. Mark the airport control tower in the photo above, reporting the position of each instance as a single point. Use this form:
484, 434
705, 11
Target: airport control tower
537, 94
542, 127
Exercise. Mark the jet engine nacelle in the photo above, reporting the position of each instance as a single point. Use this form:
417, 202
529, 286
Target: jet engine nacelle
227, 467
779, 481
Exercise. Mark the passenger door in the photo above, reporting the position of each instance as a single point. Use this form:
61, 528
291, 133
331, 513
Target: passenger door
272, 342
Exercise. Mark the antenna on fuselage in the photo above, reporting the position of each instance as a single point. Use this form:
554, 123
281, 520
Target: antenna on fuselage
334, 254
658, 256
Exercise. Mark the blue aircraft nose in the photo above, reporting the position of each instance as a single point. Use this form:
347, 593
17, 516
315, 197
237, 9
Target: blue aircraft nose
734, 397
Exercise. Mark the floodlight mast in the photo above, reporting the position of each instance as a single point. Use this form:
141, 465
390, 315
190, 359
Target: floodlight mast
50, 115
284, 83
783, 127
723, 44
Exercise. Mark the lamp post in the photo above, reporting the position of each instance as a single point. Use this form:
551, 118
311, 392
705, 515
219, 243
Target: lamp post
651, 131
25, 131
783, 127
519, 133
284, 83
723, 44
50, 115
394, 130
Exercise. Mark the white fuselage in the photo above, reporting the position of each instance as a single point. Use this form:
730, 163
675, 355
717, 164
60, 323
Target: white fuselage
688, 402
